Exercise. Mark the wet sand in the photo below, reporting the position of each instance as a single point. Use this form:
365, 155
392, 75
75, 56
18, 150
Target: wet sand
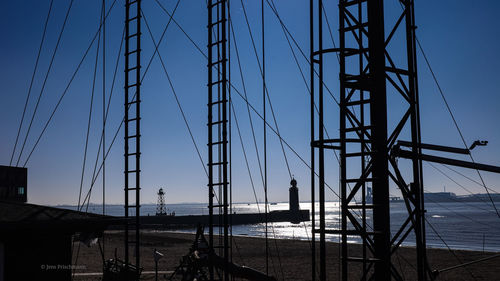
293, 255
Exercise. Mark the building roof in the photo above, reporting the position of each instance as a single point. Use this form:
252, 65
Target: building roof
16, 215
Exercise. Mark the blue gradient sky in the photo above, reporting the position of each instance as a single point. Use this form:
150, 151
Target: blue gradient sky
461, 40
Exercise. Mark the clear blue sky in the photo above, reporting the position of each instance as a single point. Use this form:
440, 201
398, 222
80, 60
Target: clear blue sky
461, 40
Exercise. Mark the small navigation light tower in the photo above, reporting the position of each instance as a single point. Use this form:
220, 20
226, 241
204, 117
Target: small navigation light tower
160, 207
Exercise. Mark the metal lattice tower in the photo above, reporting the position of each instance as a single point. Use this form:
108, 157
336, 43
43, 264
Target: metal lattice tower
218, 103
132, 130
366, 137
160, 207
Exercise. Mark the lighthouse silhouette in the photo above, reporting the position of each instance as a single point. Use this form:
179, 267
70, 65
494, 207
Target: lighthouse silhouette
294, 201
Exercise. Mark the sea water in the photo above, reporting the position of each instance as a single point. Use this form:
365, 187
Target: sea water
464, 225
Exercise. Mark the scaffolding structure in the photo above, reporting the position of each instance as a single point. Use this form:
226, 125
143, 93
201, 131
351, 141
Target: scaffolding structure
367, 73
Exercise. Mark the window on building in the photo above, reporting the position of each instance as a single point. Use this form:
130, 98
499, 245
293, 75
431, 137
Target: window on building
20, 190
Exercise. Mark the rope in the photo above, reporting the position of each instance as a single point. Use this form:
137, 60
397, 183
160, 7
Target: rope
65, 90
122, 121
247, 107
449, 249
175, 96
246, 100
121, 124
32, 79
88, 129
45, 80
266, 90
252, 129
103, 10
246, 159
455, 123
105, 153
252, 183
107, 111
94, 177
90, 116
263, 73
230, 142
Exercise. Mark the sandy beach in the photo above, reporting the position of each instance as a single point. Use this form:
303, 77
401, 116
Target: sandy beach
293, 255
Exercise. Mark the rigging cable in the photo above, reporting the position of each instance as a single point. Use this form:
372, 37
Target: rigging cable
253, 135
65, 90
103, 11
247, 107
90, 116
456, 124
88, 131
103, 109
449, 249
453, 118
266, 90
107, 106
122, 121
105, 152
45, 80
246, 160
174, 93
307, 86
245, 99
32, 79
176, 98
351, 118
263, 71
230, 140
112, 85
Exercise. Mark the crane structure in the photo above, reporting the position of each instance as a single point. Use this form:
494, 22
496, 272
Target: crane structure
132, 118
218, 158
374, 68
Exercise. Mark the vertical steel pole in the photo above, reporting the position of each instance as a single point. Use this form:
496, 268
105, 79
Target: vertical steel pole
343, 167
126, 167
313, 203
210, 148
224, 138
378, 117
138, 142
416, 140
321, 152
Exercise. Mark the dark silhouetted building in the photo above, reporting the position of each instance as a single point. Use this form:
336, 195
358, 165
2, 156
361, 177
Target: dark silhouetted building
13, 184
35, 241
